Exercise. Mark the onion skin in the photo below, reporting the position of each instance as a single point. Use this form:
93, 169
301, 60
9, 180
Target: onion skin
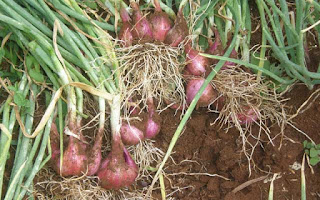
130, 134
247, 116
197, 64
178, 32
95, 157
77, 159
152, 127
215, 48
118, 170
125, 33
141, 28
54, 142
74, 160
208, 95
160, 22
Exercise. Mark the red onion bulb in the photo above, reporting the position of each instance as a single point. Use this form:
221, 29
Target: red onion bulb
247, 116
152, 127
118, 170
208, 95
197, 64
160, 22
125, 33
141, 28
178, 32
130, 134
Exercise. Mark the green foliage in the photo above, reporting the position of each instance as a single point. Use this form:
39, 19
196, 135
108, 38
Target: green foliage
272, 67
2, 53
313, 151
18, 97
90, 3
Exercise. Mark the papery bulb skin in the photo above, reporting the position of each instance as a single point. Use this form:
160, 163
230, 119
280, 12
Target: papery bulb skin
208, 95
152, 127
141, 26
78, 158
178, 32
196, 64
54, 141
131, 134
74, 160
95, 156
248, 115
125, 33
118, 170
160, 22
215, 48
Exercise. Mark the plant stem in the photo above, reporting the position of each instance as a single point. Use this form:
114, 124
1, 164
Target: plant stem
38, 163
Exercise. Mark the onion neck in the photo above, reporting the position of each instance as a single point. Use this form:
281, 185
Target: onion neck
157, 5
115, 119
124, 15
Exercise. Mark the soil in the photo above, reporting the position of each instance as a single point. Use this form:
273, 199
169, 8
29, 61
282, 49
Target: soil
205, 155
205, 148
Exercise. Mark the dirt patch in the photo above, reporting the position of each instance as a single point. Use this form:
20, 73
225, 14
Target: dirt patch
205, 148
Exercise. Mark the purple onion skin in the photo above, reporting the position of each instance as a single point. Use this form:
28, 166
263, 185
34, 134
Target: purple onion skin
248, 116
208, 95
74, 160
54, 141
160, 22
118, 170
197, 65
125, 33
130, 134
178, 32
95, 157
77, 159
216, 47
152, 127
141, 28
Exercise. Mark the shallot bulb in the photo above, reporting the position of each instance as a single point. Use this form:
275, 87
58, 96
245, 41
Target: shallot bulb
208, 95
77, 159
160, 22
141, 28
197, 64
247, 116
215, 48
152, 127
74, 159
131, 134
118, 170
125, 33
178, 32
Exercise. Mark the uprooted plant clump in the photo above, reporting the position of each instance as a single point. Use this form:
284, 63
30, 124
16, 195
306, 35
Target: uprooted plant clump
246, 100
152, 70
49, 184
